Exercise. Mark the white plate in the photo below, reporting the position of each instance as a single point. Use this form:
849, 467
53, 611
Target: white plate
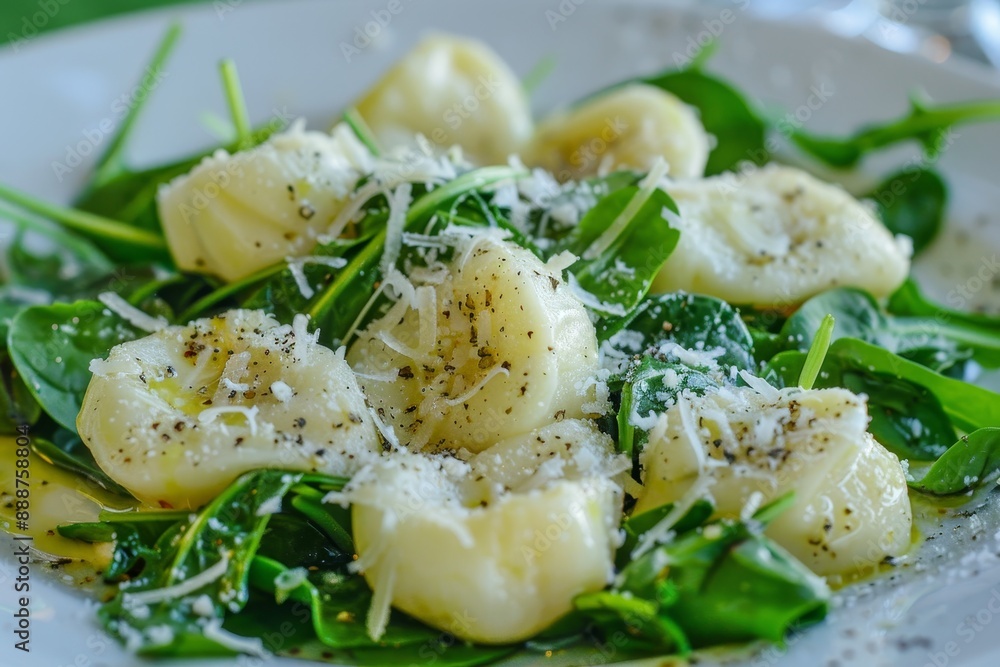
60, 92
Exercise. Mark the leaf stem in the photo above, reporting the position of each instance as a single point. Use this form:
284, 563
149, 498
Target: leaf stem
237, 103
212, 298
361, 130
817, 353
847, 151
110, 162
420, 211
91, 225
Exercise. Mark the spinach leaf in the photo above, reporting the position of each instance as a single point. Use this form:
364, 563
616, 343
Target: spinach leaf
220, 540
65, 450
971, 463
334, 597
937, 341
638, 525
927, 124
650, 385
52, 347
281, 294
909, 300
740, 132
913, 202
720, 583
352, 287
622, 243
967, 406
44, 257
906, 418
692, 321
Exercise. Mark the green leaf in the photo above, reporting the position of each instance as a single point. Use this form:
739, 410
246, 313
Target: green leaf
119, 240
638, 525
622, 243
909, 300
971, 463
353, 285
940, 341
223, 537
650, 385
967, 406
67, 451
52, 347
740, 132
716, 584
913, 202
929, 125
692, 321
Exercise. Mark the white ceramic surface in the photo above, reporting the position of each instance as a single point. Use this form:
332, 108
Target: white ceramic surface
61, 92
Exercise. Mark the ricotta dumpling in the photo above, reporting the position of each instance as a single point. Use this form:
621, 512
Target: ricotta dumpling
176, 416
492, 550
453, 92
627, 128
742, 447
235, 214
493, 345
776, 237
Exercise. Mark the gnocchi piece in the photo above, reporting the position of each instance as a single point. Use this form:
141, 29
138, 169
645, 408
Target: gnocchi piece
452, 545
453, 91
627, 128
746, 447
498, 347
235, 214
776, 237
176, 416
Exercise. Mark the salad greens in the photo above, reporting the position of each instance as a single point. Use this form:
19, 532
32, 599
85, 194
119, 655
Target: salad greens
270, 551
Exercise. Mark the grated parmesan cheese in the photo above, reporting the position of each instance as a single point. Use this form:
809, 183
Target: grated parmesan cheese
130, 313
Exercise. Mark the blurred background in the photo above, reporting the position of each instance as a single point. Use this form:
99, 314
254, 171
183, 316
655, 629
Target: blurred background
937, 29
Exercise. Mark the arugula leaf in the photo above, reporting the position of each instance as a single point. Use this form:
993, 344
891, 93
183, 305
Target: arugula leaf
892, 381
971, 463
912, 202
720, 583
622, 243
937, 341
739, 130
927, 124
52, 347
